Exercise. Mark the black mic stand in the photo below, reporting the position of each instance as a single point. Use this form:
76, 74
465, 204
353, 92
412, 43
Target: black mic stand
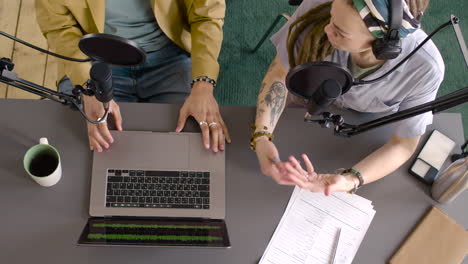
9, 77
343, 129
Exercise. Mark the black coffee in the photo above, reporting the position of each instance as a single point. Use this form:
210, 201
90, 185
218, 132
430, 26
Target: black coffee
43, 165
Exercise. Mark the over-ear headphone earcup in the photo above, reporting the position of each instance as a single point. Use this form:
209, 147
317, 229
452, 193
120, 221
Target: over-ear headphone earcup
385, 49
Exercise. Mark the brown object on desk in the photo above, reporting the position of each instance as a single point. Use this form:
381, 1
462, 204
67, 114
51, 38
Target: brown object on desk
436, 239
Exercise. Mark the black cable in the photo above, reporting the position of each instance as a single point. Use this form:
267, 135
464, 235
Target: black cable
43, 50
99, 121
406, 58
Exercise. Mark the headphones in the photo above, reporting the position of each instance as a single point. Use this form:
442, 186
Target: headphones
389, 47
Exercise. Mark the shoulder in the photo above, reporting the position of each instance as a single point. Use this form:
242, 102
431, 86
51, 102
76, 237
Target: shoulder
205, 8
427, 60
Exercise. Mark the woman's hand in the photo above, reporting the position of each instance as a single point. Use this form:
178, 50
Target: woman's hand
270, 163
310, 180
99, 136
202, 105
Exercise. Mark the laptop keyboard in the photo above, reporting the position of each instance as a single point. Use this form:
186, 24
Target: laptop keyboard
158, 189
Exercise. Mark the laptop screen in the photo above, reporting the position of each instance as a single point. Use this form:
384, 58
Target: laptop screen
155, 232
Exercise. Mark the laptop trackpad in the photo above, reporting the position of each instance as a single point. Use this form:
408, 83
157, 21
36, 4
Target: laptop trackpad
147, 150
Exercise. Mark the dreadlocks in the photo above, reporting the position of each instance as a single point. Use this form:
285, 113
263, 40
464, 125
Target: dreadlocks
316, 46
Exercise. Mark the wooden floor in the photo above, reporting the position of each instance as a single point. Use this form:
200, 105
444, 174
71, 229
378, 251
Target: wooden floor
18, 18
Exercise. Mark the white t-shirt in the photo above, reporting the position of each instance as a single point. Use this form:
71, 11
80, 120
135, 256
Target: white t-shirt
414, 83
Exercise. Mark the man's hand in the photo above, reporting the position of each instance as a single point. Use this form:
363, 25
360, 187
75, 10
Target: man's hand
269, 161
202, 105
310, 180
99, 135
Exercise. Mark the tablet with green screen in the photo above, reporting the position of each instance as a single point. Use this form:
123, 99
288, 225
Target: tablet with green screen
155, 232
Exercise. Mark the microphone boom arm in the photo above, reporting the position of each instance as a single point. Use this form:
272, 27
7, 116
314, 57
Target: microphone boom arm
9, 77
43, 50
346, 130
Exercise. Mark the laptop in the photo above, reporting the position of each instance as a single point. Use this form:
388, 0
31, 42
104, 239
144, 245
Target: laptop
157, 189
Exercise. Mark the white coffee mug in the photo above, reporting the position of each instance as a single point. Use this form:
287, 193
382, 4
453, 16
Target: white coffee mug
42, 163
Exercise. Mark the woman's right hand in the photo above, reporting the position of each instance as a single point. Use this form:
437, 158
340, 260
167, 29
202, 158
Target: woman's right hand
270, 163
98, 134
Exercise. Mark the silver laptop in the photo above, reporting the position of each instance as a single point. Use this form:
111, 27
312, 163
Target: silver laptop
152, 175
145, 153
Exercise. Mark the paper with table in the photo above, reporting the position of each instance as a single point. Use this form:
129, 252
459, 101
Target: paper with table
308, 229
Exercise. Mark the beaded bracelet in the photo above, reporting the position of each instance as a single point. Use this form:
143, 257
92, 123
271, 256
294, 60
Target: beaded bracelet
357, 174
255, 135
254, 127
203, 79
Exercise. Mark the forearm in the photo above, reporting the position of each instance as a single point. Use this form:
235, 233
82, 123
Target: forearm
206, 19
387, 158
272, 97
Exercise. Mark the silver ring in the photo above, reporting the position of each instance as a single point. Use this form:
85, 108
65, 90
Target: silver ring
212, 124
203, 123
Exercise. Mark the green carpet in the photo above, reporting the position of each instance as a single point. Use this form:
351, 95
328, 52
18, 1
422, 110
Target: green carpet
246, 20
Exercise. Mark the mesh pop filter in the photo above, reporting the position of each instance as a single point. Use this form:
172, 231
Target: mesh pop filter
303, 80
112, 49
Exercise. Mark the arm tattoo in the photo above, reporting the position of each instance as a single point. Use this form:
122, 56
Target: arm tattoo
275, 99
260, 111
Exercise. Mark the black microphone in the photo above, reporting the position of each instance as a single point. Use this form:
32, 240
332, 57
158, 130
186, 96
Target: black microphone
101, 82
325, 94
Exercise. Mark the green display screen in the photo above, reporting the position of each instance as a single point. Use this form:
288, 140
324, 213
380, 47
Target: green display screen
155, 232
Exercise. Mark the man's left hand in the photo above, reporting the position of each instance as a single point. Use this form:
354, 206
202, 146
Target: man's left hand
202, 105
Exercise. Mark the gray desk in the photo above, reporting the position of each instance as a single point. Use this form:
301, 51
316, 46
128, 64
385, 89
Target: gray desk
42, 225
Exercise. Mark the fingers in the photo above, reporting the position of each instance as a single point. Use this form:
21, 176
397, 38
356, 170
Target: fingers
224, 128
285, 180
279, 165
96, 140
217, 130
94, 145
281, 174
104, 132
182, 119
205, 133
221, 140
298, 166
294, 172
117, 116
204, 108
215, 134
309, 166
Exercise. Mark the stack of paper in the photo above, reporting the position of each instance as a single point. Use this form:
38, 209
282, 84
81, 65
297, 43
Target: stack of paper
308, 229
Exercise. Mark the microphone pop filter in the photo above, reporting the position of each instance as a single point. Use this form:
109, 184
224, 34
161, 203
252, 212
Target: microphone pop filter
112, 49
303, 80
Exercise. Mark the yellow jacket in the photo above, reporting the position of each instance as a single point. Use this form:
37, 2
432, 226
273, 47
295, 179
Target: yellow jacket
194, 25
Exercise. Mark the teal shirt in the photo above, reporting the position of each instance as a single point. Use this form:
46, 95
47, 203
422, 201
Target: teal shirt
134, 20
